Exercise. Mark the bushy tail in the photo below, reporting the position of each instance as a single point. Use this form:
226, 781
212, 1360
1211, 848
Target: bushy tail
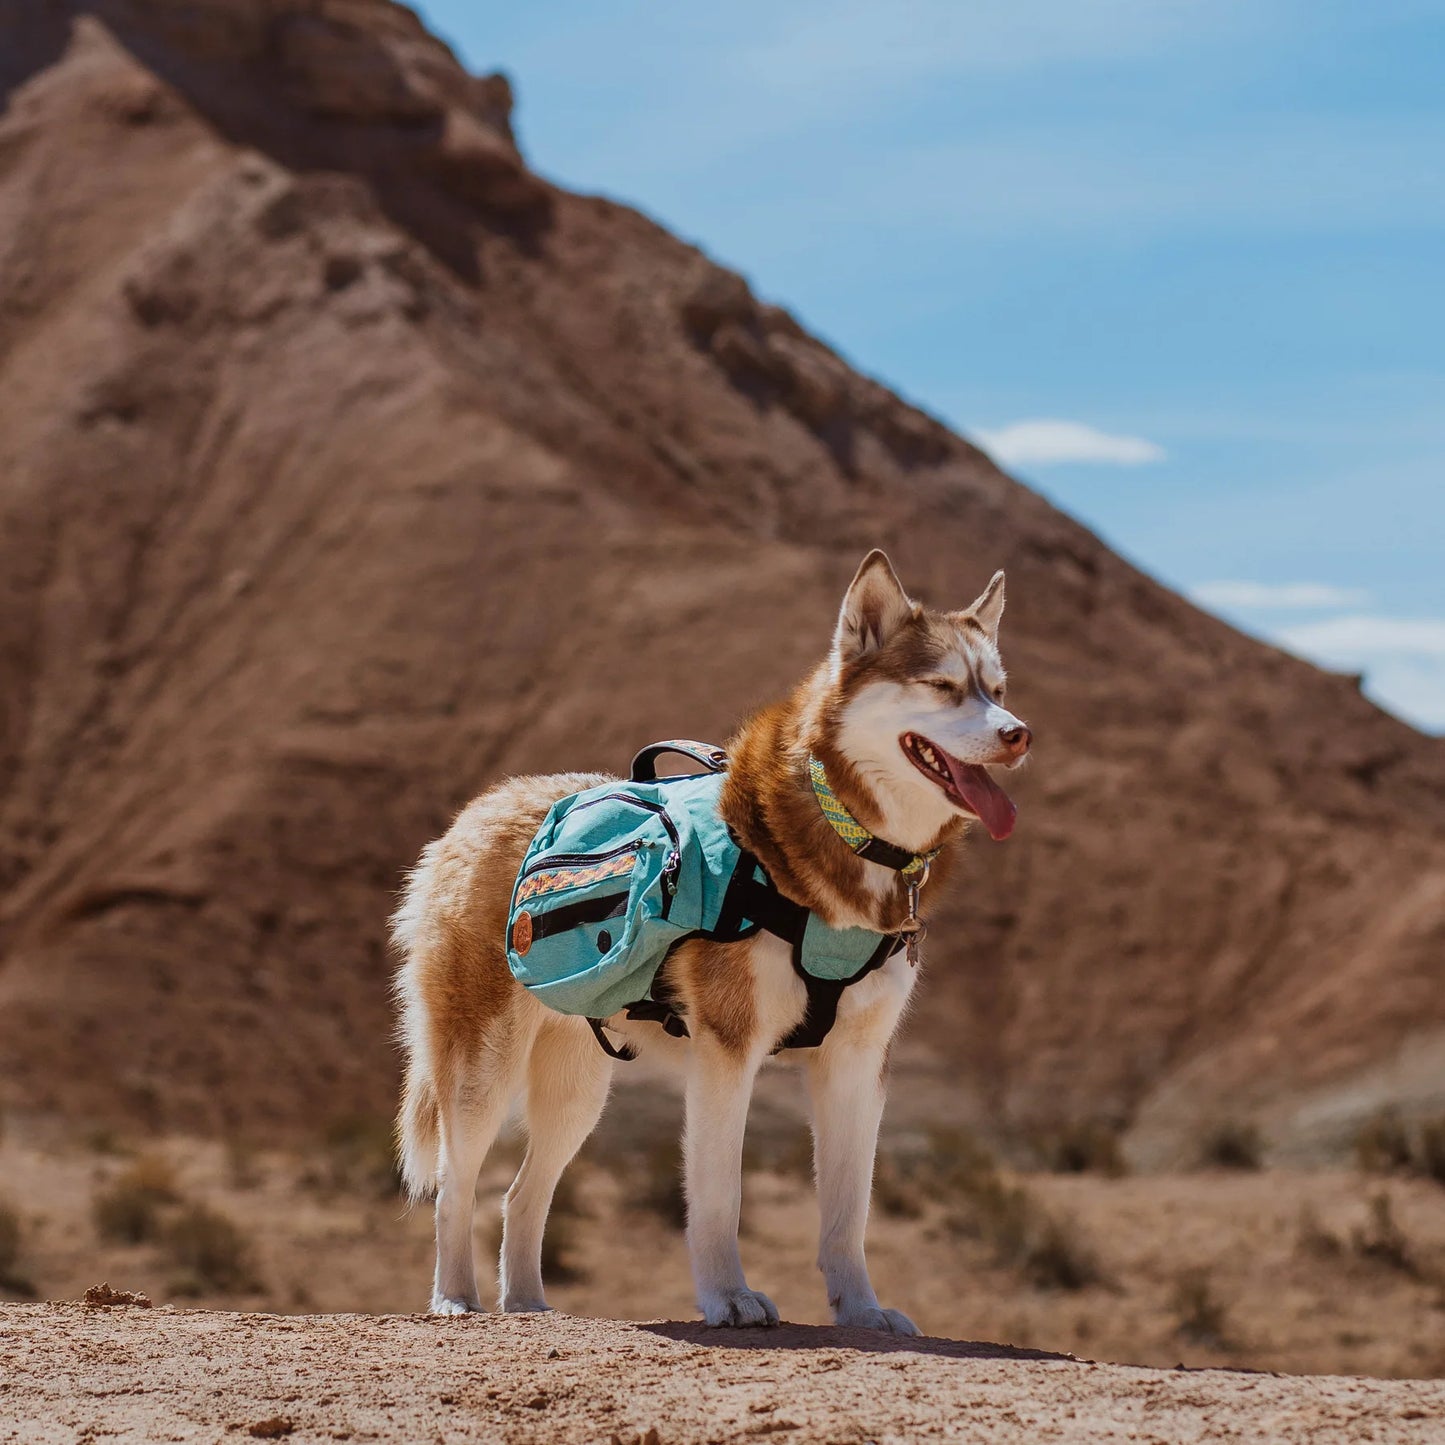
417, 1136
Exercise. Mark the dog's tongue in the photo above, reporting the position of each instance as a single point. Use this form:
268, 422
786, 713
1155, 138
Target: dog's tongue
994, 806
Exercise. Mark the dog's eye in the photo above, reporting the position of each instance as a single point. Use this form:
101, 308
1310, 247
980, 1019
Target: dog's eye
942, 686
998, 693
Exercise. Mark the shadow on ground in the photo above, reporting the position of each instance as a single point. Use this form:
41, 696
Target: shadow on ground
828, 1337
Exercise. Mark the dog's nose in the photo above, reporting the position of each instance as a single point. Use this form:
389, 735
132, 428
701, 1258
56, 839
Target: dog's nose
1016, 738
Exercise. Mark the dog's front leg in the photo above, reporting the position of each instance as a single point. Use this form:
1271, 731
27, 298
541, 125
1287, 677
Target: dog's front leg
719, 1086
845, 1079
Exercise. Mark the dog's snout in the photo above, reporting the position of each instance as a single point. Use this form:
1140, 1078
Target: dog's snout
1016, 737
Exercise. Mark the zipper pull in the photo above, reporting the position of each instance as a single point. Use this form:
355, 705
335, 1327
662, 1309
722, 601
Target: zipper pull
670, 871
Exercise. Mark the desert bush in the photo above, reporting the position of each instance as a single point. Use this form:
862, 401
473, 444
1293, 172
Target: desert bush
128, 1212
956, 1159
243, 1167
1382, 1144
894, 1193
213, 1251
101, 1140
1431, 1154
792, 1157
1313, 1239
1045, 1249
11, 1238
1202, 1317
1087, 1146
657, 1185
1056, 1256
1232, 1144
1381, 1240
359, 1153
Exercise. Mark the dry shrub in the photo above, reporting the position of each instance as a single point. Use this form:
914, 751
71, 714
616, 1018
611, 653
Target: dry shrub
1202, 1317
791, 1158
1381, 1240
658, 1187
1232, 1144
212, 1250
128, 1212
359, 1153
1086, 1146
11, 1280
102, 1140
1382, 1144
1313, 1239
894, 1193
243, 1166
1431, 1153
1385, 1145
1048, 1250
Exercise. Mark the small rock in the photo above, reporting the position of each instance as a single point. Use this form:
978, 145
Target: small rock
272, 1429
103, 1297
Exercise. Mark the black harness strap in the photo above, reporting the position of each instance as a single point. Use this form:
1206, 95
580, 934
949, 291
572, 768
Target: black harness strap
626, 1053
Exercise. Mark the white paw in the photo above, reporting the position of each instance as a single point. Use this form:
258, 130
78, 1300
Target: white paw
441, 1305
739, 1308
871, 1317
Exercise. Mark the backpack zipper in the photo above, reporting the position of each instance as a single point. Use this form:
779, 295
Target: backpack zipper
568, 860
637, 803
670, 868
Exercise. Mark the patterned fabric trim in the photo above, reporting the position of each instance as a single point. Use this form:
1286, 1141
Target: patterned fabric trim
554, 880
847, 827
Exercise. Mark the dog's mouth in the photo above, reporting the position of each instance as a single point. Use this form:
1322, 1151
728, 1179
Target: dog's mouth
966, 785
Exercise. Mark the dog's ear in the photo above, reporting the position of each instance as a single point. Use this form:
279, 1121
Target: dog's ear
874, 608
987, 608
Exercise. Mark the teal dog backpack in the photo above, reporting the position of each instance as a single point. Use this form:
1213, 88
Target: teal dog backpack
619, 875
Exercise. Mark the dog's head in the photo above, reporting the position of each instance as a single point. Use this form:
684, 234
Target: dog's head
916, 704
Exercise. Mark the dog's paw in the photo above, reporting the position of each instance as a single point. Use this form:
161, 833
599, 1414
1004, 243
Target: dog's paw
739, 1308
525, 1305
871, 1317
441, 1305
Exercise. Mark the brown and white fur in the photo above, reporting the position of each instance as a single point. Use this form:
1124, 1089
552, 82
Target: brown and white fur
475, 1040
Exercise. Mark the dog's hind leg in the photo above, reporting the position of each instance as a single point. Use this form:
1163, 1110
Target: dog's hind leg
472, 1112
568, 1077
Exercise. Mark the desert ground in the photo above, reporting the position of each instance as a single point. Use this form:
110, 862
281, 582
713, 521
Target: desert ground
75, 1372
1332, 1270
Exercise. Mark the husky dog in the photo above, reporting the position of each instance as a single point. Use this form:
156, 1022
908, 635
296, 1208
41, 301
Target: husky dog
904, 715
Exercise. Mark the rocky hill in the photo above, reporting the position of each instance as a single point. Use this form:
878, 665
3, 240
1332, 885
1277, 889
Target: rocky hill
345, 466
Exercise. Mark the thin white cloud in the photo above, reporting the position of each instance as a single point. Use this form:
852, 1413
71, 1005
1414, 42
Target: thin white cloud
1231, 596
1046, 442
1402, 659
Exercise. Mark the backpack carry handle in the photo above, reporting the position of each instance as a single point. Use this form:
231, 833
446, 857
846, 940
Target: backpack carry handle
709, 758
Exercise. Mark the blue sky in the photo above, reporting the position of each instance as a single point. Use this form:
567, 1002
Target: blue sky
1178, 265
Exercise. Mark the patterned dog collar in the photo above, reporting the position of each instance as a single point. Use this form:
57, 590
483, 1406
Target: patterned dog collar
858, 838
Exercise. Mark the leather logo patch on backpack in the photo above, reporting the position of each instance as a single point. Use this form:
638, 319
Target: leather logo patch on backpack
522, 932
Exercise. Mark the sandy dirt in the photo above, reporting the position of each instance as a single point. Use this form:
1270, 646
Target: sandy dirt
346, 466
75, 1372
1267, 1271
